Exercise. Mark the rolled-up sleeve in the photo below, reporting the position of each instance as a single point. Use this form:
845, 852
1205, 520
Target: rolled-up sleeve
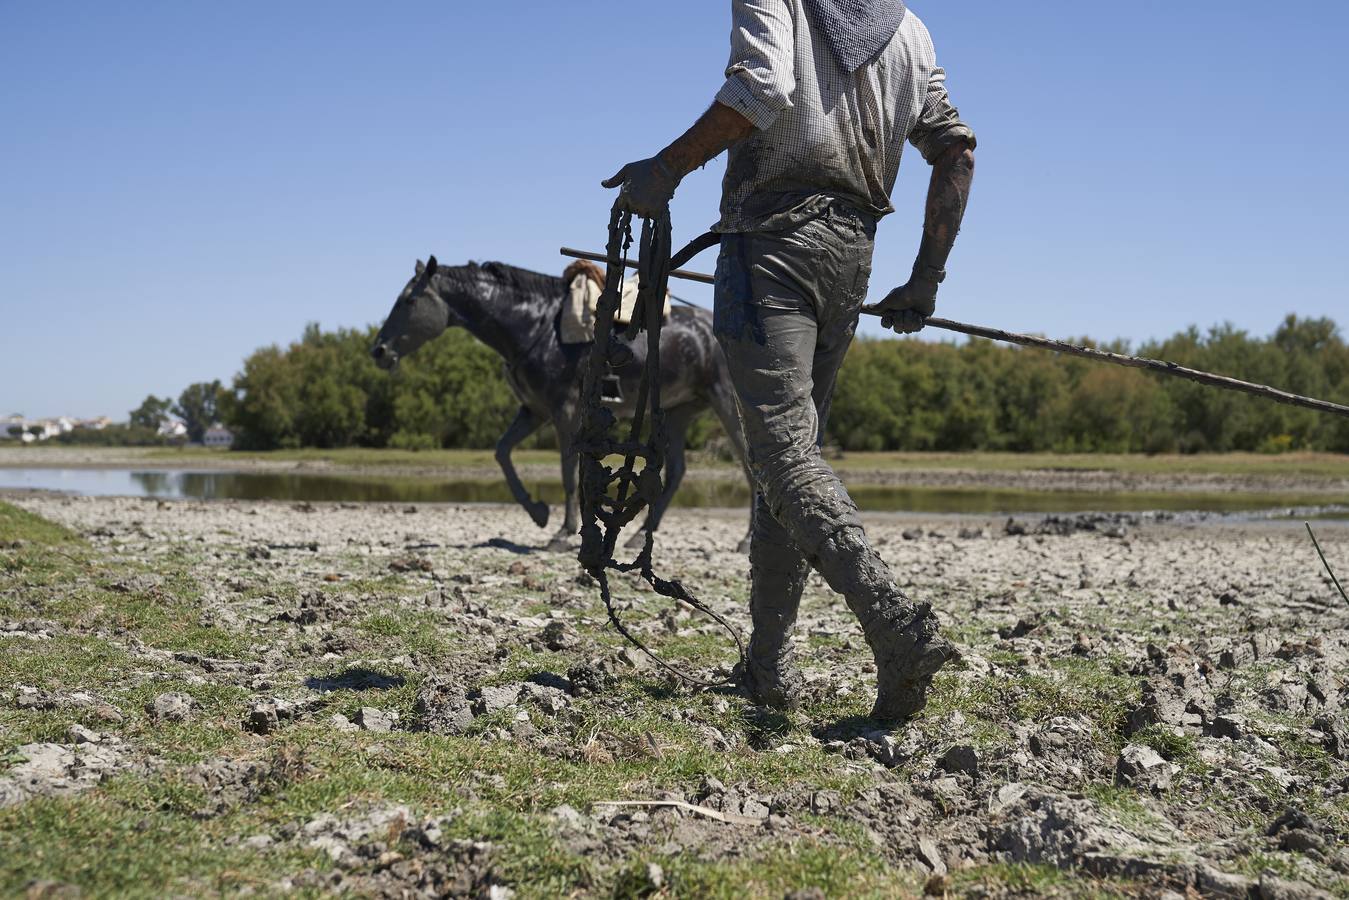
761, 77
939, 124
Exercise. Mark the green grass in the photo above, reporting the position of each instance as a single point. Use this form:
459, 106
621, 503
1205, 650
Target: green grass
1024, 879
1326, 465
20, 525
146, 833
1077, 688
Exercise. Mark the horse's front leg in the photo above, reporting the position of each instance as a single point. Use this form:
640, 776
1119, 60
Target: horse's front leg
524, 424
677, 423
571, 522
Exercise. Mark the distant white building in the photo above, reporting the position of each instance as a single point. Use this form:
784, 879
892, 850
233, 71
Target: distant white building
30, 430
172, 428
218, 436
49, 428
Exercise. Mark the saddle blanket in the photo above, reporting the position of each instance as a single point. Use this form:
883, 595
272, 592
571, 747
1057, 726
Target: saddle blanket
583, 297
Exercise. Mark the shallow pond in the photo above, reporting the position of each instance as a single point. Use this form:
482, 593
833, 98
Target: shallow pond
216, 485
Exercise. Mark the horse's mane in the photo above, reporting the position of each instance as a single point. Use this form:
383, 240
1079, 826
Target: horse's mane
515, 278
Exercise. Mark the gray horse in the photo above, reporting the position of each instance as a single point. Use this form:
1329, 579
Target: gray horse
517, 313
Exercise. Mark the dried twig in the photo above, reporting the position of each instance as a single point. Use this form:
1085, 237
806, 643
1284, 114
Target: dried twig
1329, 571
716, 814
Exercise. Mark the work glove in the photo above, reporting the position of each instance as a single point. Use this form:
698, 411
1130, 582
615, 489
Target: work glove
906, 309
647, 186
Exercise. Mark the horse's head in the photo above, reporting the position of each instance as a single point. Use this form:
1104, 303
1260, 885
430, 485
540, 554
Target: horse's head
418, 315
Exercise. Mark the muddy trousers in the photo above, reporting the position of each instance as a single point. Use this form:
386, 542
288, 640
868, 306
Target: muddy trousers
787, 304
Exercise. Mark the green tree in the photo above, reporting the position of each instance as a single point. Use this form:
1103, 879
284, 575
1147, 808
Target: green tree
199, 408
323, 390
152, 412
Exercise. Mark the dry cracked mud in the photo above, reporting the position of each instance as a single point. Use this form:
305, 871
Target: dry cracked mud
265, 698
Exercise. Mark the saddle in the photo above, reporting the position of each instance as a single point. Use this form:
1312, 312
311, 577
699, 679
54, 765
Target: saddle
585, 283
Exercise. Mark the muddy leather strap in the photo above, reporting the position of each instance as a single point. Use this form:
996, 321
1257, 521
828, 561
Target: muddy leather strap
612, 499
693, 248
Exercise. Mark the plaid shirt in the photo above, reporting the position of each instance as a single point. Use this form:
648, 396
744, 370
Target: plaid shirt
823, 135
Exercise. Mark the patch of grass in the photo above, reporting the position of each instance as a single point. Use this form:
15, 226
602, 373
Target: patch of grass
408, 631
837, 871
1282, 865
1012, 879
1171, 746
1076, 688
20, 525
110, 847
1122, 804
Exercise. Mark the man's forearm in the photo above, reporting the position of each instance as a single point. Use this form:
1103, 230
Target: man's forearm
718, 129
947, 195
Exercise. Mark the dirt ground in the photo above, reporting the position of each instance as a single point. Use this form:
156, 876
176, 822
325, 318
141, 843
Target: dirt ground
262, 698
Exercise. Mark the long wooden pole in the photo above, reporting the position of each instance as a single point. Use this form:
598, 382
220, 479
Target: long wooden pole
1119, 359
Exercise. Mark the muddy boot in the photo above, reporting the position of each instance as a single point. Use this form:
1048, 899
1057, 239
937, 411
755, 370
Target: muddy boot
769, 673
903, 635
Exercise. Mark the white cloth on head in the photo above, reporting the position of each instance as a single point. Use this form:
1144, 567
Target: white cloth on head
583, 298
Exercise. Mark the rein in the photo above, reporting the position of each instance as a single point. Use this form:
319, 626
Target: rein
612, 499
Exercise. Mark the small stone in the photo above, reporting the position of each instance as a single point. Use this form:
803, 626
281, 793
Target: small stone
1230, 726
931, 856
26, 697
342, 723
1142, 767
81, 735
107, 713
1300, 840
1336, 740
1006, 797
1235, 657
262, 718
1047, 742
376, 720
488, 700
558, 635
822, 803
1274, 888
171, 707
257, 842
961, 758
570, 817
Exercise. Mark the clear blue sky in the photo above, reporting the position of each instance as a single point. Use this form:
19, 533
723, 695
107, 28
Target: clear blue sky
181, 183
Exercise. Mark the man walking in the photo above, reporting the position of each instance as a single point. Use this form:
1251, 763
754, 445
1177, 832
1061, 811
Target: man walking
820, 97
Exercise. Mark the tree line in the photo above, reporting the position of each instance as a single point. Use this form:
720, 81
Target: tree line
324, 391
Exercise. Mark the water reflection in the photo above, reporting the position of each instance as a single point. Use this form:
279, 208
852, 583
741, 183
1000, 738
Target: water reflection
293, 487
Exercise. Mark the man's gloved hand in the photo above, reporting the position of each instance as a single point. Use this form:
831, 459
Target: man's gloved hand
905, 309
647, 184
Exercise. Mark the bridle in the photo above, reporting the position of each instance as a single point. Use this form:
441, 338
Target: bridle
612, 499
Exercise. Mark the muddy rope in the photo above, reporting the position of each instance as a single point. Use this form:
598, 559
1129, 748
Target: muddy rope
612, 499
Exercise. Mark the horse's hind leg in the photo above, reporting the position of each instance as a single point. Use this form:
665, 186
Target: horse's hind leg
524, 424
677, 423
571, 522
723, 403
